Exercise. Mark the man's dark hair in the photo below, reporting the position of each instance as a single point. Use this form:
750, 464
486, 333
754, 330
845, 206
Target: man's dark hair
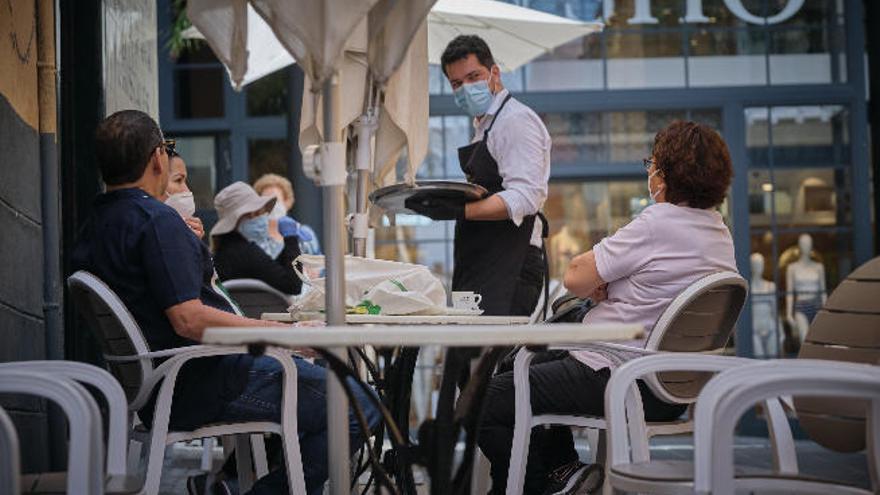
464, 45
694, 162
124, 142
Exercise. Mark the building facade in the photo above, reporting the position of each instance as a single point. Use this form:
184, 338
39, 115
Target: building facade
784, 82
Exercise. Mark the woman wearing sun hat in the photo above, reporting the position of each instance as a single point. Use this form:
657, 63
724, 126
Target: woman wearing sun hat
242, 245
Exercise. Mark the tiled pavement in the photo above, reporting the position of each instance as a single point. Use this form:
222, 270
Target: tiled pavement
183, 461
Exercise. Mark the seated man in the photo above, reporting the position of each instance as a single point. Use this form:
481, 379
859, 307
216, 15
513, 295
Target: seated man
146, 253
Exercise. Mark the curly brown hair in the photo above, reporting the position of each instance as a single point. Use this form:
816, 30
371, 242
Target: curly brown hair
694, 162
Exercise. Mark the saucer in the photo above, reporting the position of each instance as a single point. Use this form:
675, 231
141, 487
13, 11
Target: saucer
464, 311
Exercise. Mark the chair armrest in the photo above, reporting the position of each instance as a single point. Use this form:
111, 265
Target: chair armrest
117, 436
623, 401
730, 394
10, 470
169, 369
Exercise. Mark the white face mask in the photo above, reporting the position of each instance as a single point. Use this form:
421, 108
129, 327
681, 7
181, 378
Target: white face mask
653, 194
182, 202
278, 210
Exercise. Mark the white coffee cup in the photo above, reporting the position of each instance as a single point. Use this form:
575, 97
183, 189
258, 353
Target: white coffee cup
466, 300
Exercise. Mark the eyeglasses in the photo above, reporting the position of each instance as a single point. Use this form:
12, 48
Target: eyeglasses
170, 146
648, 162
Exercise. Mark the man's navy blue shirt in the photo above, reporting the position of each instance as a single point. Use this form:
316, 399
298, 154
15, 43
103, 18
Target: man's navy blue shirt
144, 251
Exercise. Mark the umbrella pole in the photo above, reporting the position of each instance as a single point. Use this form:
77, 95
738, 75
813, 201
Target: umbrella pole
333, 183
364, 128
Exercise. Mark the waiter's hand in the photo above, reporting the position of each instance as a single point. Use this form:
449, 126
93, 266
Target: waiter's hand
436, 208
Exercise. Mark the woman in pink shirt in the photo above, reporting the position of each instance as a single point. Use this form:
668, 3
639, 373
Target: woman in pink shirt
631, 277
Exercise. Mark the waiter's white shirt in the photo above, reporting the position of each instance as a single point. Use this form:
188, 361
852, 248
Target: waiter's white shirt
520, 143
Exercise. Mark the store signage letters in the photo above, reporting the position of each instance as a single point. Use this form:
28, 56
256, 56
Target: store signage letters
694, 12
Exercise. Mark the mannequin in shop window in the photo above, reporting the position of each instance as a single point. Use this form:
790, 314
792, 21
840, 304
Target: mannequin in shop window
805, 281
766, 336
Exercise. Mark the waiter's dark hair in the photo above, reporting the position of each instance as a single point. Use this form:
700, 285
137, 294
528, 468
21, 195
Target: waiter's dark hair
694, 162
124, 142
464, 45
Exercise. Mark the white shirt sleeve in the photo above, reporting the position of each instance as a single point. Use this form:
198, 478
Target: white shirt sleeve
521, 146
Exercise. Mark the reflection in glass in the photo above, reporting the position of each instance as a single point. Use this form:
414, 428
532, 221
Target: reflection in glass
631, 134
198, 152
199, 93
815, 135
582, 213
727, 58
645, 60
802, 198
268, 95
267, 156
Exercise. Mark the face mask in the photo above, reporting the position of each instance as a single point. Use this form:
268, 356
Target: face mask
255, 229
474, 98
653, 194
182, 202
278, 211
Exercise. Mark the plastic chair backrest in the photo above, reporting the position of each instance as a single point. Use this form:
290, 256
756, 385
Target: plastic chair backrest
116, 330
10, 468
846, 329
256, 297
700, 319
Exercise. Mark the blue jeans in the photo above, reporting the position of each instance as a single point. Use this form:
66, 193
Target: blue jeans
261, 401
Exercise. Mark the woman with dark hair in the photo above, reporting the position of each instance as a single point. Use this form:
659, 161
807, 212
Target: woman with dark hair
632, 276
178, 194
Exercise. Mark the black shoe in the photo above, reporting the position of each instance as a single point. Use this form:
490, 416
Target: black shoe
195, 485
575, 478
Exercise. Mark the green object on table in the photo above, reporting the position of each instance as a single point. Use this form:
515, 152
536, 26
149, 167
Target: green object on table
366, 307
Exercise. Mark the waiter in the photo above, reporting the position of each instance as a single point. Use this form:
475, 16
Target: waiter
498, 239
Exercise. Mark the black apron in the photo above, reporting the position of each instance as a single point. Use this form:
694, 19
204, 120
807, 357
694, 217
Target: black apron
496, 258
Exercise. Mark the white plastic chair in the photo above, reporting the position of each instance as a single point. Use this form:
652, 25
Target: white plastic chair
84, 466
720, 405
627, 468
256, 297
700, 319
131, 362
9, 456
116, 477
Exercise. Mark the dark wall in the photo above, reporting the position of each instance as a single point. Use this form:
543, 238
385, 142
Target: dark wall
872, 46
22, 324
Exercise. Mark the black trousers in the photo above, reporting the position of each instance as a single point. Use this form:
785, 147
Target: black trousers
560, 384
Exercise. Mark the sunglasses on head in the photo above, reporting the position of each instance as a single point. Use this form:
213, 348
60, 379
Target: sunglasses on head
170, 146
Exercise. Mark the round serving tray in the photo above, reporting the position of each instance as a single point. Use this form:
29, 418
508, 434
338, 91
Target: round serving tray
392, 198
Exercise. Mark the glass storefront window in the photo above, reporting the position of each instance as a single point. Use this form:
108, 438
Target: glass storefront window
815, 135
268, 96
199, 92
582, 213
727, 57
267, 156
645, 59
799, 198
199, 154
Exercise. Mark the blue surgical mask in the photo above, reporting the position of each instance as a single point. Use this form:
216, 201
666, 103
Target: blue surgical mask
256, 230
474, 98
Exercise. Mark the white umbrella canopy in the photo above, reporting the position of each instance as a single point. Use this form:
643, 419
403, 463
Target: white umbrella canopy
312, 31
517, 35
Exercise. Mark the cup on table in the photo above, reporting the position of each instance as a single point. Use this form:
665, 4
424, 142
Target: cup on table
466, 300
